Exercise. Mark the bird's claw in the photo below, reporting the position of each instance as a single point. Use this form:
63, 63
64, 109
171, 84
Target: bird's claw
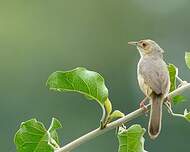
143, 106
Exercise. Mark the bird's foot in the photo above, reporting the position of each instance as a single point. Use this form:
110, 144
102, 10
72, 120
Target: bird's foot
143, 106
169, 100
168, 104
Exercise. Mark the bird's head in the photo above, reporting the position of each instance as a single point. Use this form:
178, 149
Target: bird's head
147, 47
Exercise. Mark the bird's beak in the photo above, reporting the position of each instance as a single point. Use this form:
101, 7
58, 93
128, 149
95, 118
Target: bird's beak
133, 43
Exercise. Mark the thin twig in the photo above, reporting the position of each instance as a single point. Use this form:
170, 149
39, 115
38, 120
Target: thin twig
97, 132
172, 113
182, 82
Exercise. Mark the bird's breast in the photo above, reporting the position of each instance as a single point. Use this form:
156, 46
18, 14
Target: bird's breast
146, 89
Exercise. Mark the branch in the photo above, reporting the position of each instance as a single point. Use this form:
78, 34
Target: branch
97, 132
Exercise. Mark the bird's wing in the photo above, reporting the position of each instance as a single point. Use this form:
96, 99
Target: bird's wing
155, 76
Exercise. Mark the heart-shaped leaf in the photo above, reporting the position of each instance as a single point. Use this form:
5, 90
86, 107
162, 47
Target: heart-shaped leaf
187, 59
33, 137
131, 139
80, 80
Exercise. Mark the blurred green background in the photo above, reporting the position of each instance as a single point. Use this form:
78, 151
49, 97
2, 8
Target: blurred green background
40, 37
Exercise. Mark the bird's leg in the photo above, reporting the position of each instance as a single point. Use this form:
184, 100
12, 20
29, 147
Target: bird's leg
142, 104
168, 103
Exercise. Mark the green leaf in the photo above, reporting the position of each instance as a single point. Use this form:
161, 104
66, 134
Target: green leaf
108, 106
107, 109
55, 124
187, 59
33, 137
173, 72
187, 115
116, 114
80, 80
131, 139
178, 99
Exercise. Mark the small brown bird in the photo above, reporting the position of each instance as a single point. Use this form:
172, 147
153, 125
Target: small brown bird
153, 78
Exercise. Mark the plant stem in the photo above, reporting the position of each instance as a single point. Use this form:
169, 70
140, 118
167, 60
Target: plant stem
172, 113
97, 132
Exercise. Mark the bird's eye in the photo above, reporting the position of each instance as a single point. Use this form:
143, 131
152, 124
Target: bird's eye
144, 44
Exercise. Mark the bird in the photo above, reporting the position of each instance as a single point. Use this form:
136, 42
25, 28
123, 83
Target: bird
154, 81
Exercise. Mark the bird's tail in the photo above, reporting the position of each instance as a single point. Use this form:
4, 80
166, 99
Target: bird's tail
155, 116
